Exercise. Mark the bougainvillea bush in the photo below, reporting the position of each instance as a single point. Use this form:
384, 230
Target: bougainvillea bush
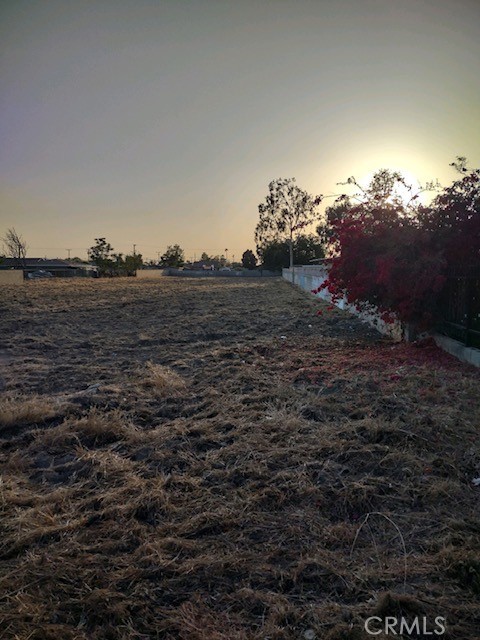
454, 220
389, 252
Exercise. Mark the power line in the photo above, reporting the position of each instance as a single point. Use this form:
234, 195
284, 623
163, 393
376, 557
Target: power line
58, 248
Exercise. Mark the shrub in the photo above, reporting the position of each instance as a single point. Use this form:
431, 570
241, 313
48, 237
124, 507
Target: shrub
396, 255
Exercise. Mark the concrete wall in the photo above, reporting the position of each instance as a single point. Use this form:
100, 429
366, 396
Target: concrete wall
459, 350
310, 277
160, 273
11, 276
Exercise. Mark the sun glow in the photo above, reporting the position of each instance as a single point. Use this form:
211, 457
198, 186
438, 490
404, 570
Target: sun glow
412, 192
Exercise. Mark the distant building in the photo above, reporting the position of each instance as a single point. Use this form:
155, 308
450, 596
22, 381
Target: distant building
200, 265
55, 266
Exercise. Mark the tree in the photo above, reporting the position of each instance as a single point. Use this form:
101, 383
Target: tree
151, 264
276, 253
15, 247
286, 210
113, 264
218, 261
173, 257
101, 254
333, 214
249, 261
308, 248
132, 263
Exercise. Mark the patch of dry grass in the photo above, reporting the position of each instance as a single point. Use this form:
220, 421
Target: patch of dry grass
164, 381
18, 411
208, 479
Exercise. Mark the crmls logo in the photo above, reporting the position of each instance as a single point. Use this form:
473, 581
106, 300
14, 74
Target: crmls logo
375, 625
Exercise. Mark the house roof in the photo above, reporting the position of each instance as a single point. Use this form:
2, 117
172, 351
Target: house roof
45, 263
199, 264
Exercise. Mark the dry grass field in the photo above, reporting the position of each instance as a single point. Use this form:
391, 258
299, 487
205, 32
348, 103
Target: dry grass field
212, 460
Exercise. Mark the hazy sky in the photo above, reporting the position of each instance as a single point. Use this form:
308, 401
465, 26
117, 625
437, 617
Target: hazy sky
161, 122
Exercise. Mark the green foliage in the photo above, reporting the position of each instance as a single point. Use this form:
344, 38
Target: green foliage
218, 261
128, 265
101, 256
113, 264
174, 256
249, 260
307, 248
132, 263
275, 254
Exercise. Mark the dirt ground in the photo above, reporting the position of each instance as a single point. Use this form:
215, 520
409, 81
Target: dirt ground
212, 460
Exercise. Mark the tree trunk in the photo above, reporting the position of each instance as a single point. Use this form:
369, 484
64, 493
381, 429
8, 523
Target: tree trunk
292, 269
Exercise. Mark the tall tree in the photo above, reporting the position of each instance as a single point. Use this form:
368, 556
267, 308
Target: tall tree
101, 254
173, 257
15, 247
132, 263
113, 264
249, 261
287, 209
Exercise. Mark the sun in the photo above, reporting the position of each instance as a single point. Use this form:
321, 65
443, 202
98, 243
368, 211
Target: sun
407, 192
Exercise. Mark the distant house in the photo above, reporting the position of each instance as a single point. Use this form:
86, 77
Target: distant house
200, 265
55, 266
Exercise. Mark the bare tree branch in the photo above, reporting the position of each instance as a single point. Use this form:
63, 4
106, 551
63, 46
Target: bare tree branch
15, 247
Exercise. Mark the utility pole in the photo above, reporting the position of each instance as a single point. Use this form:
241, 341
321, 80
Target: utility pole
226, 256
134, 246
69, 253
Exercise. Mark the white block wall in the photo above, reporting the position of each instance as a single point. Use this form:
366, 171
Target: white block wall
310, 277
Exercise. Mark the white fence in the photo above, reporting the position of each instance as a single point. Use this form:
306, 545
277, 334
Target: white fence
309, 277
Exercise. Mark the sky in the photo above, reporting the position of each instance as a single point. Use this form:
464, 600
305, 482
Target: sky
158, 122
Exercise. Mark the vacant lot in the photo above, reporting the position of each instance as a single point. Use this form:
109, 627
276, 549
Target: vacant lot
198, 460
